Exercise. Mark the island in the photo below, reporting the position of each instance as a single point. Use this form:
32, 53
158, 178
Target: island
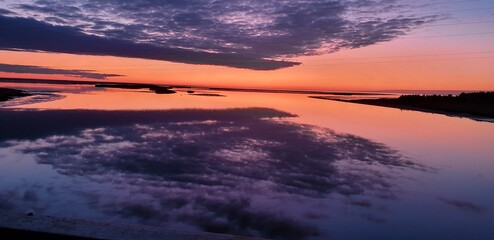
474, 104
7, 94
155, 88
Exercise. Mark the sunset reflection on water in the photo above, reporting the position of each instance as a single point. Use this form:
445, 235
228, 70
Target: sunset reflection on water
249, 163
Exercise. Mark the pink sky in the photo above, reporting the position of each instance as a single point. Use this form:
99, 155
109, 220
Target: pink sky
453, 53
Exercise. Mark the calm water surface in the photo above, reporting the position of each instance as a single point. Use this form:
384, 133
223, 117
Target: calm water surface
281, 166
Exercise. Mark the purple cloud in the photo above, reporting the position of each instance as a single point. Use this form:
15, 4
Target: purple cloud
243, 34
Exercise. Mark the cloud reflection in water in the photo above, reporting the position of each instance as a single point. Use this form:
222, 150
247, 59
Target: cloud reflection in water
256, 175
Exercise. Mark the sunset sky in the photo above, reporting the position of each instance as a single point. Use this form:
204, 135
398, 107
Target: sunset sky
310, 45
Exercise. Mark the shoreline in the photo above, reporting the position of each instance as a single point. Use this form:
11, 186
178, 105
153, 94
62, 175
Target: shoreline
384, 103
453, 106
129, 85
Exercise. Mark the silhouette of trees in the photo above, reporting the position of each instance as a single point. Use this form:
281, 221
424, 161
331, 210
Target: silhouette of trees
475, 103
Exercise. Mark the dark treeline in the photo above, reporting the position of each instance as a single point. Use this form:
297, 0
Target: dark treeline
475, 103
482, 98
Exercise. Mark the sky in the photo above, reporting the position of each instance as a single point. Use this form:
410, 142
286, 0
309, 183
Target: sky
284, 44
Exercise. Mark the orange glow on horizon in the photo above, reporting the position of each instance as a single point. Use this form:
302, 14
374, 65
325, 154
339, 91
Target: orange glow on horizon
380, 67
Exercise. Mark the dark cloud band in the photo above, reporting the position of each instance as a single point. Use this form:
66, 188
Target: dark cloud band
249, 34
30, 34
10, 68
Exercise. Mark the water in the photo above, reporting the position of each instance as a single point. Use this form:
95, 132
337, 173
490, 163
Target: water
282, 166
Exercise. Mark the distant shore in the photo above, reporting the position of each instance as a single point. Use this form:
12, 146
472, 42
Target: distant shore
166, 87
151, 87
477, 105
474, 105
7, 94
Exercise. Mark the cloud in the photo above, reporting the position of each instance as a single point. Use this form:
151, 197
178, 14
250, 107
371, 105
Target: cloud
251, 34
18, 124
5, 12
10, 68
237, 171
235, 215
29, 34
464, 205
